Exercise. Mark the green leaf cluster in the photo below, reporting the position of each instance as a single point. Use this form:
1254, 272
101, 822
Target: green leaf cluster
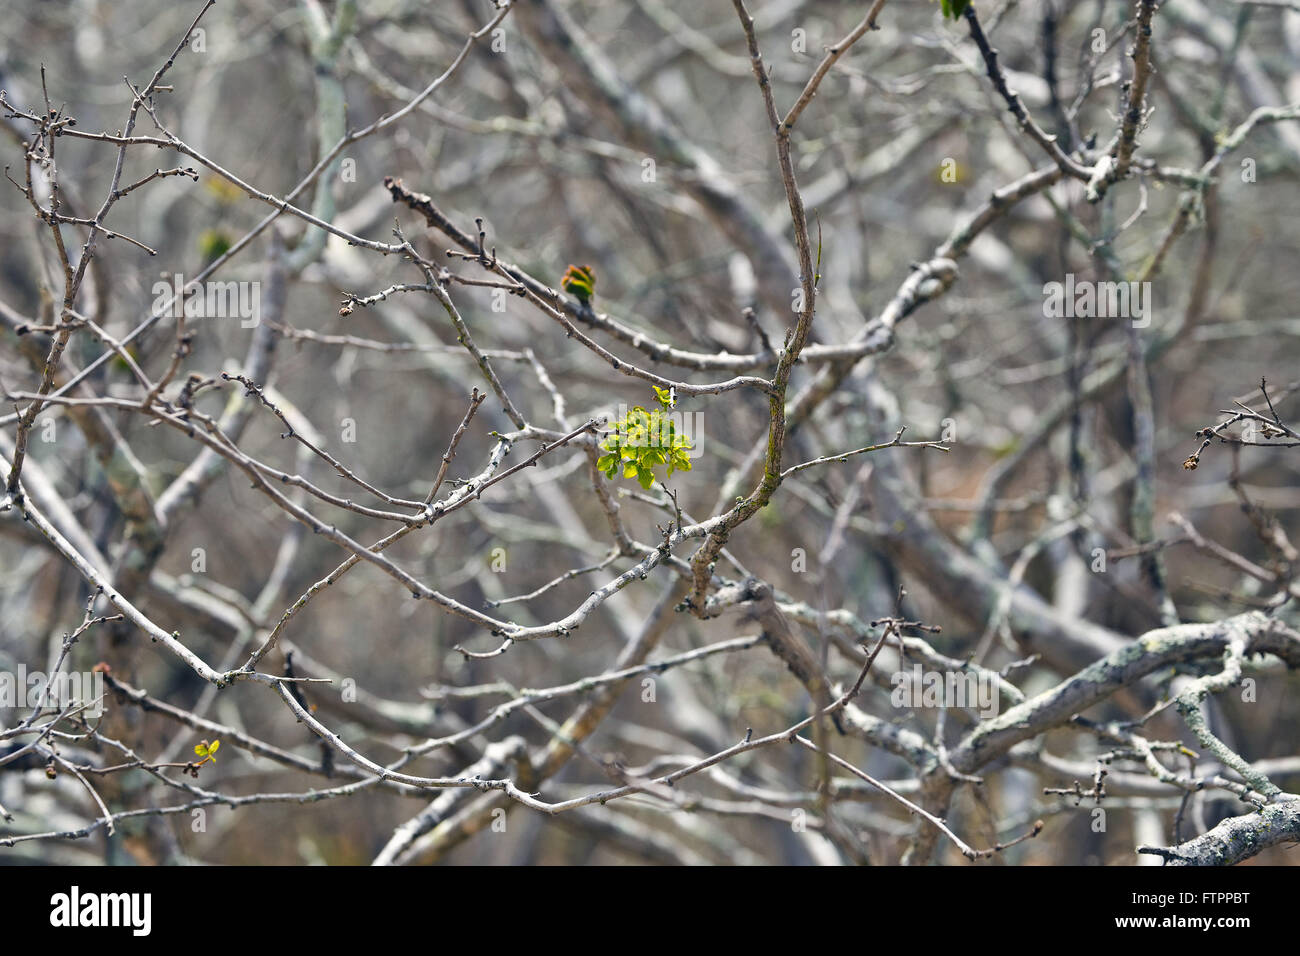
952, 9
643, 440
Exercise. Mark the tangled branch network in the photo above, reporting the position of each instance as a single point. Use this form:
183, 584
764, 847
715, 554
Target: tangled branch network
546, 432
